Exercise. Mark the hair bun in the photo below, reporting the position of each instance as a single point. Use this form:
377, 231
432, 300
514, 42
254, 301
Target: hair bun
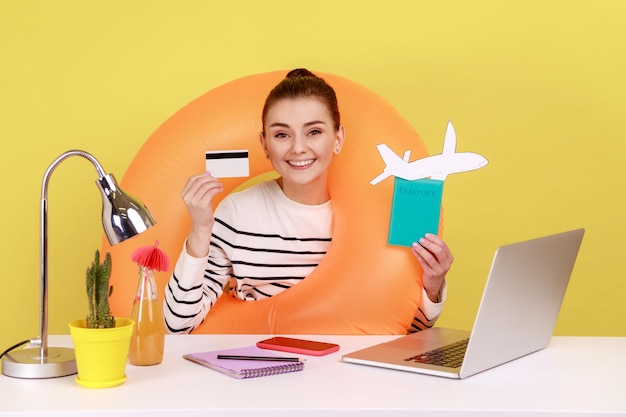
300, 72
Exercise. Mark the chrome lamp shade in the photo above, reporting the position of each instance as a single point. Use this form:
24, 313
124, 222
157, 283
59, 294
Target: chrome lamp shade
123, 217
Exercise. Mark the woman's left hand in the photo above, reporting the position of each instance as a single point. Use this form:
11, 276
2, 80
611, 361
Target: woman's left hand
436, 259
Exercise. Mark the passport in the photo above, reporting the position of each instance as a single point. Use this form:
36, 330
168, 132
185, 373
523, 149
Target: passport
415, 210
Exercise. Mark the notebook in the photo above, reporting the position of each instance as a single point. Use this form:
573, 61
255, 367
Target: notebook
517, 314
244, 368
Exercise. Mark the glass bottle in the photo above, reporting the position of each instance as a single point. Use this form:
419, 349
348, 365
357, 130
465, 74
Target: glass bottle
148, 339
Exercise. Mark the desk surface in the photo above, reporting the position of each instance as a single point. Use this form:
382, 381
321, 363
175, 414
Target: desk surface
574, 375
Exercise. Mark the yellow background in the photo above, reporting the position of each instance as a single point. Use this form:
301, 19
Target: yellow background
536, 86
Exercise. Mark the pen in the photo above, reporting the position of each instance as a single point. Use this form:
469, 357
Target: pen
260, 358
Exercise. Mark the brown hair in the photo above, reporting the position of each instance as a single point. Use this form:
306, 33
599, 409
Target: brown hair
301, 82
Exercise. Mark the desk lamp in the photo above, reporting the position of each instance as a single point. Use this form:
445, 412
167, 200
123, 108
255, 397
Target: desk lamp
123, 217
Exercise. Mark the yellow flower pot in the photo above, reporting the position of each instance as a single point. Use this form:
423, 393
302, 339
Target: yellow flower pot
101, 354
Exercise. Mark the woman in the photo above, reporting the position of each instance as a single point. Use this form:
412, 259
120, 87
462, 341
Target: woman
271, 236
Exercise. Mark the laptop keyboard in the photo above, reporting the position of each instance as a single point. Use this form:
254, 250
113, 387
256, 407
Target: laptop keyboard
450, 355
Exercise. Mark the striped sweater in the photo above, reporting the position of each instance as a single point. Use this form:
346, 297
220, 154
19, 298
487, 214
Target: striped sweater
262, 243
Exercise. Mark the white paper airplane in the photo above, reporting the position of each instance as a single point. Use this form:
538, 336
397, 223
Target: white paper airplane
437, 167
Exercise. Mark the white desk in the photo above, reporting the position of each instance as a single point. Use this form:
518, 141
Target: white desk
582, 376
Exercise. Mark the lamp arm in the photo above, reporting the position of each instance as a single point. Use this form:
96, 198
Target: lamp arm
43, 242
61, 158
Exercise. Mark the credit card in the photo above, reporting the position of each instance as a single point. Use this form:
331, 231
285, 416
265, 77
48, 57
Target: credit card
228, 163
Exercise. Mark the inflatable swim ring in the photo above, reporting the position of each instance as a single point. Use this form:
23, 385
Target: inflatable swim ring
362, 286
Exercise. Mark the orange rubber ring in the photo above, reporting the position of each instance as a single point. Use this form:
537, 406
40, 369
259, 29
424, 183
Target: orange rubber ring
362, 286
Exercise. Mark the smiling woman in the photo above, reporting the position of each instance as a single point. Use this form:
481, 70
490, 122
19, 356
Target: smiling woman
301, 150
362, 285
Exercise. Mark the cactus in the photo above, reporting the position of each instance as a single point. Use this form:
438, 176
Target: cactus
98, 293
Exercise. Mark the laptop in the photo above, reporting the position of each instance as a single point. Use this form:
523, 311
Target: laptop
517, 314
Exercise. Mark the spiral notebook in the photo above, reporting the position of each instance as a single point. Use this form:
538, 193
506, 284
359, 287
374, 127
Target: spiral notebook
243, 368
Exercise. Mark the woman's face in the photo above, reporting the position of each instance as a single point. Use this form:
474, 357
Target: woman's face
299, 141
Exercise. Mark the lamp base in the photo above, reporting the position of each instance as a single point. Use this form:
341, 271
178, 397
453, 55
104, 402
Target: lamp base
28, 363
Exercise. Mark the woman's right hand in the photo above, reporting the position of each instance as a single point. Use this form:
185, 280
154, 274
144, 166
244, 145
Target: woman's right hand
197, 195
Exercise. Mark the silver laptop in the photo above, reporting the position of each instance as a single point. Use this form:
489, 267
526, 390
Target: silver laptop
516, 316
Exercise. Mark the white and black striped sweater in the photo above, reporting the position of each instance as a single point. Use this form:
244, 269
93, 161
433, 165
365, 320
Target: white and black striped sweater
262, 243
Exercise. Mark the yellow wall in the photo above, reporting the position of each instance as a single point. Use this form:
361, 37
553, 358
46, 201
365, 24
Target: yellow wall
536, 86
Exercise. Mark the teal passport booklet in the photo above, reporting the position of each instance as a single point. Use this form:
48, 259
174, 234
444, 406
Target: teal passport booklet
239, 368
415, 210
